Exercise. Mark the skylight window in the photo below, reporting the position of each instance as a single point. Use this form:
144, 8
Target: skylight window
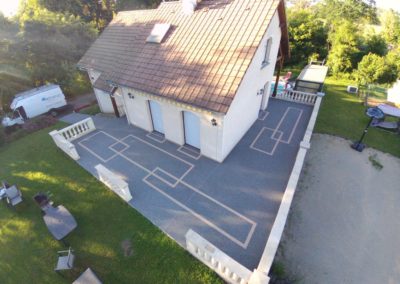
158, 33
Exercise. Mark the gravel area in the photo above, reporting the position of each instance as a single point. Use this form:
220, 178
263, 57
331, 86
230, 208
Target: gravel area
344, 225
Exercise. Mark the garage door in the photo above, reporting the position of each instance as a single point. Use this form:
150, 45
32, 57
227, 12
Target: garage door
192, 129
156, 116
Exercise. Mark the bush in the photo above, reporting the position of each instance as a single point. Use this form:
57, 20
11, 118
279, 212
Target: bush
370, 69
91, 110
10, 134
38, 123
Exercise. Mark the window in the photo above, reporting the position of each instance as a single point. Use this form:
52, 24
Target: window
158, 33
267, 52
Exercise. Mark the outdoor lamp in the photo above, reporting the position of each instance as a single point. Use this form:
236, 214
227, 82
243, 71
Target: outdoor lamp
214, 122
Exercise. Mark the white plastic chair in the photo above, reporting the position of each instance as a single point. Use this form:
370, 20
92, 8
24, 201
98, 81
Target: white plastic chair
65, 260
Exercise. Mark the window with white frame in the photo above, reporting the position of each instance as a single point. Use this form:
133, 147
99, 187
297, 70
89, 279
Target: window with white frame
267, 52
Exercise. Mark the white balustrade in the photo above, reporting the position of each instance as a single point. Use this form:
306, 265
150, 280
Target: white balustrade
114, 182
226, 267
276, 232
78, 129
297, 96
64, 145
63, 138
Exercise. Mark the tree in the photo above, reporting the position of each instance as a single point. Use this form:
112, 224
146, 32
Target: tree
350, 10
99, 11
50, 44
344, 52
375, 69
307, 34
370, 69
376, 44
391, 26
301, 4
392, 60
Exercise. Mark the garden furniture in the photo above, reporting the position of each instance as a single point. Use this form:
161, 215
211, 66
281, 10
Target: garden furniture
87, 277
59, 221
13, 195
65, 260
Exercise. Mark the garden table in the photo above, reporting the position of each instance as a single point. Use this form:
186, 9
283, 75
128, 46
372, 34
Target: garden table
59, 221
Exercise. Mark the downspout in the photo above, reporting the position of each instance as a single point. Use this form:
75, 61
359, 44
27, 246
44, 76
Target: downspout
280, 65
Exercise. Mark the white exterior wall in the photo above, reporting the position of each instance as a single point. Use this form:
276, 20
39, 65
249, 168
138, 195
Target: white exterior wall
393, 94
138, 114
244, 109
104, 101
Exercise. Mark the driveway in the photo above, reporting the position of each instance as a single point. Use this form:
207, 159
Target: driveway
232, 204
344, 225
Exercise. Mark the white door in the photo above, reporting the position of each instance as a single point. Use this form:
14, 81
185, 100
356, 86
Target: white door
156, 116
191, 124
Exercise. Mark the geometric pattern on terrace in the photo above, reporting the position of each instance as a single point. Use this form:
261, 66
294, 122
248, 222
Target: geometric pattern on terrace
231, 204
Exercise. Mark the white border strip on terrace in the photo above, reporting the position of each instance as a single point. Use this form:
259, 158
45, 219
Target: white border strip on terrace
294, 127
271, 153
275, 235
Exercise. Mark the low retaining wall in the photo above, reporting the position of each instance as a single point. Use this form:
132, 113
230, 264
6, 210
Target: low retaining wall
64, 145
78, 129
226, 267
63, 138
275, 235
114, 182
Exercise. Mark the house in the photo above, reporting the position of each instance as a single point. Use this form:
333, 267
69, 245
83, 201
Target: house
196, 72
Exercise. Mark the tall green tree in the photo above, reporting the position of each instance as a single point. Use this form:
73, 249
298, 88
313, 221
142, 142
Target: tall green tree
391, 26
370, 69
344, 52
375, 43
49, 44
350, 10
308, 35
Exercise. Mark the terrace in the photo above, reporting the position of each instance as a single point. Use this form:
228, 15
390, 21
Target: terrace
233, 205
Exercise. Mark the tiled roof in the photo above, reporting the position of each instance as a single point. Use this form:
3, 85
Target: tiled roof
101, 83
201, 61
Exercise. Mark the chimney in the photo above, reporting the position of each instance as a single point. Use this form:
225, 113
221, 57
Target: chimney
188, 6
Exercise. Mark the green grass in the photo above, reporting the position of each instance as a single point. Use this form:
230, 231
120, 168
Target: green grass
343, 114
28, 251
375, 91
91, 110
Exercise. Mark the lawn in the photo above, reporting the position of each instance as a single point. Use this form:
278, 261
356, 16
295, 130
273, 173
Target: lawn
28, 251
91, 110
343, 114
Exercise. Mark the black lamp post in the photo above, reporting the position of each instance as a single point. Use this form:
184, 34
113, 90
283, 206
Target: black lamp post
373, 113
